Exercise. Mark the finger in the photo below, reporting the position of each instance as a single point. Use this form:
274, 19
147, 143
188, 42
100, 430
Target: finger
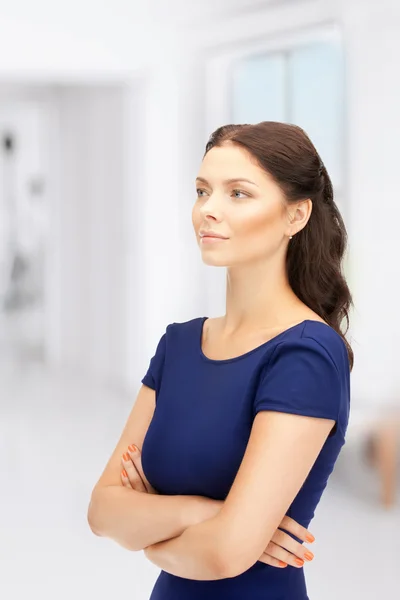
291, 549
273, 562
136, 457
125, 479
281, 554
133, 474
298, 530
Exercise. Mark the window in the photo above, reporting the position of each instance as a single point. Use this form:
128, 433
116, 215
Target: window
303, 85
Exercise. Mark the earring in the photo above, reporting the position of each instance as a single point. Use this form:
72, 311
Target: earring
290, 237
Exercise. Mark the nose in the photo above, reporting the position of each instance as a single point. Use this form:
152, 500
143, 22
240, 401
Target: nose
211, 203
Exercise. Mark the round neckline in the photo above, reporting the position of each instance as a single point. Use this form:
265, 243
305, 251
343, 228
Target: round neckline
246, 354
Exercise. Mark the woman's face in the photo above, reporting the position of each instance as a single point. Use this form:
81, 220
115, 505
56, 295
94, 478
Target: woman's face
253, 216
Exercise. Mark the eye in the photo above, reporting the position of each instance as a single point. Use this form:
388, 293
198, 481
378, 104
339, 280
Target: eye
240, 192
199, 190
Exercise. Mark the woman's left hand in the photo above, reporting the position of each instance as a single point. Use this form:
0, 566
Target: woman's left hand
132, 474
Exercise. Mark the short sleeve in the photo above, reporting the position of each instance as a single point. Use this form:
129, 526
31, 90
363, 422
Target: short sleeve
154, 373
301, 378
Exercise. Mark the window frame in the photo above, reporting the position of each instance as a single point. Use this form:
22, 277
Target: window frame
219, 82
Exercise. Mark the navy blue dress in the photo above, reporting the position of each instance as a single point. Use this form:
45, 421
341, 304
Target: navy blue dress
202, 422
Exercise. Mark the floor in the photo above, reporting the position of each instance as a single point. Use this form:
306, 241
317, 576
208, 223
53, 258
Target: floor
56, 434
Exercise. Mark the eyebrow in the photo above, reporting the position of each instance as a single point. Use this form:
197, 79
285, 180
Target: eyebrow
234, 180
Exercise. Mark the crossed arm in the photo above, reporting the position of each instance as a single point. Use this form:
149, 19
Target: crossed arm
281, 451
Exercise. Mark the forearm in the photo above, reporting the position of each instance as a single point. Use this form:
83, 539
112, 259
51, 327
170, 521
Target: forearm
195, 554
136, 520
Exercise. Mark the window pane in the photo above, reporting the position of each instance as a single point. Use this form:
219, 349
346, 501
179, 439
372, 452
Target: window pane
317, 100
258, 89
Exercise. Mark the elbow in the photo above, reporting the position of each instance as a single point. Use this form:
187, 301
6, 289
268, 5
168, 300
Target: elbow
227, 569
235, 549
102, 524
218, 566
233, 561
225, 562
94, 530
229, 554
91, 524
235, 567
92, 514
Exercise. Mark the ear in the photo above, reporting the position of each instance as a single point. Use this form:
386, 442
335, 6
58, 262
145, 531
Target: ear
298, 216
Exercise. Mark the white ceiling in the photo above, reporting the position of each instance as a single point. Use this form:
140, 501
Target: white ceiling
192, 11
110, 35
136, 13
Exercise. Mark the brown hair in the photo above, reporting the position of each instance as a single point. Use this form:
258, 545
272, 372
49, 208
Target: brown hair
314, 256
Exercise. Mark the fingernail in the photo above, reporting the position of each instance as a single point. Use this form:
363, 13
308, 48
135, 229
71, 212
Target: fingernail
282, 564
309, 555
124, 473
132, 448
310, 538
299, 561
125, 456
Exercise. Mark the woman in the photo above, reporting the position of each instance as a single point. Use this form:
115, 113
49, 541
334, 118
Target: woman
251, 408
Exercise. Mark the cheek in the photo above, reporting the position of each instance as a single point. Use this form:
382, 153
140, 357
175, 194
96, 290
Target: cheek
196, 217
257, 227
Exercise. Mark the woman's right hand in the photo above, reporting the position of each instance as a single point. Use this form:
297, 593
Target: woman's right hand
283, 550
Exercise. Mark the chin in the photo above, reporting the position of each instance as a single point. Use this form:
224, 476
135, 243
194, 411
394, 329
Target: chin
213, 260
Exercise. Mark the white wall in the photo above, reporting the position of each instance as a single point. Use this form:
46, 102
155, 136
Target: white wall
121, 44
373, 41
46, 39
87, 252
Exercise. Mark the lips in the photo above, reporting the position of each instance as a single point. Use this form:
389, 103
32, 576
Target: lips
211, 234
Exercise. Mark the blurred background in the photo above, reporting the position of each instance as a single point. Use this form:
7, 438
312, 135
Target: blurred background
105, 109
